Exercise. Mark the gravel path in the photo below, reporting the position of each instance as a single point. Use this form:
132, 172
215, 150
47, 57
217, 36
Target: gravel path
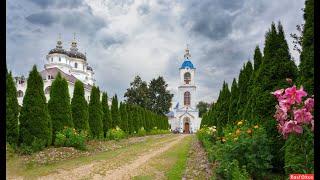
198, 166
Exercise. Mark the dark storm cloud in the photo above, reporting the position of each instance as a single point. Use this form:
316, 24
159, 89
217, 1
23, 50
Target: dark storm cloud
58, 3
82, 20
42, 18
222, 34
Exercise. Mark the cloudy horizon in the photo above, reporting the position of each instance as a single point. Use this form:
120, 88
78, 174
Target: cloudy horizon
124, 38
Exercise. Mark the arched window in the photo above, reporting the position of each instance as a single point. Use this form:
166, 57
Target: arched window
187, 98
47, 90
187, 77
76, 65
19, 93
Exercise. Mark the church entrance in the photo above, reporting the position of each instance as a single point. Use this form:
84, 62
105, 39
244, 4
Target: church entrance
186, 128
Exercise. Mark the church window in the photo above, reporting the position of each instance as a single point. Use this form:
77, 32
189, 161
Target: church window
19, 93
76, 65
50, 77
59, 59
187, 98
187, 77
47, 90
52, 59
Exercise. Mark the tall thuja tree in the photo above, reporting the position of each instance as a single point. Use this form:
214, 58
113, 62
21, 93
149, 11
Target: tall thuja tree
276, 66
244, 79
115, 112
12, 111
107, 121
257, 58
224, 102
232, 113
79, 108
59, 105
125, 117
306, 66
257, 61
35, 123
95, 113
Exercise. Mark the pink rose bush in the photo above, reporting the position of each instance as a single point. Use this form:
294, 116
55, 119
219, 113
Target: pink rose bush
291, 112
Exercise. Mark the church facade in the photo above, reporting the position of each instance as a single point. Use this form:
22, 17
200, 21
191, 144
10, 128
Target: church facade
72, 66
184, 116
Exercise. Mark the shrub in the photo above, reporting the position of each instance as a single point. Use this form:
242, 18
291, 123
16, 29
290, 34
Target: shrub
116, 134
69, 137
243, 145
142, 132
155, 131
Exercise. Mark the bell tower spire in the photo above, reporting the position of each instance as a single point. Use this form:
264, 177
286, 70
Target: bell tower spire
187, 53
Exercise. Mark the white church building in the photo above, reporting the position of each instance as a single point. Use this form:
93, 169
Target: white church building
71, 64
184, 116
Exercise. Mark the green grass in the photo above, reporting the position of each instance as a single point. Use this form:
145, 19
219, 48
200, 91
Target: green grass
181, 153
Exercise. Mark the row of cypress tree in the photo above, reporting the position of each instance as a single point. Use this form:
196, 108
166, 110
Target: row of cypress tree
36, 124
249, 98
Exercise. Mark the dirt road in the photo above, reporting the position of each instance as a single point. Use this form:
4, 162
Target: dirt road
122, 166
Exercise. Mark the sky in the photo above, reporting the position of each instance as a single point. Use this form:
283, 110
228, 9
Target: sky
125, 38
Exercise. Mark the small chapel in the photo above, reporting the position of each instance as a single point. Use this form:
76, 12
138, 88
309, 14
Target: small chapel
184, 116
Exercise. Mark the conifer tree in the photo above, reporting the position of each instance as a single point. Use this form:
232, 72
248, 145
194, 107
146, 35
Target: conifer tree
124, 118
79, 108
243, 84
257, 58
232, 113
59, 105
95, 113
107, 121
115, 112
12, 111
224, 102
130, 118
35, 122
276, 67
306, 65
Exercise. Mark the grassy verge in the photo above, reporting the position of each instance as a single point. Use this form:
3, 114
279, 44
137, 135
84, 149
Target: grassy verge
169, 165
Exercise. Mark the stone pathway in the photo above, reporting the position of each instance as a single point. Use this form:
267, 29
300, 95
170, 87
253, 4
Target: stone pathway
198, 166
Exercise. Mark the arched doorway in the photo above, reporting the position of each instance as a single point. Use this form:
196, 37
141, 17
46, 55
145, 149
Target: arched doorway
186, 128
186, 125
